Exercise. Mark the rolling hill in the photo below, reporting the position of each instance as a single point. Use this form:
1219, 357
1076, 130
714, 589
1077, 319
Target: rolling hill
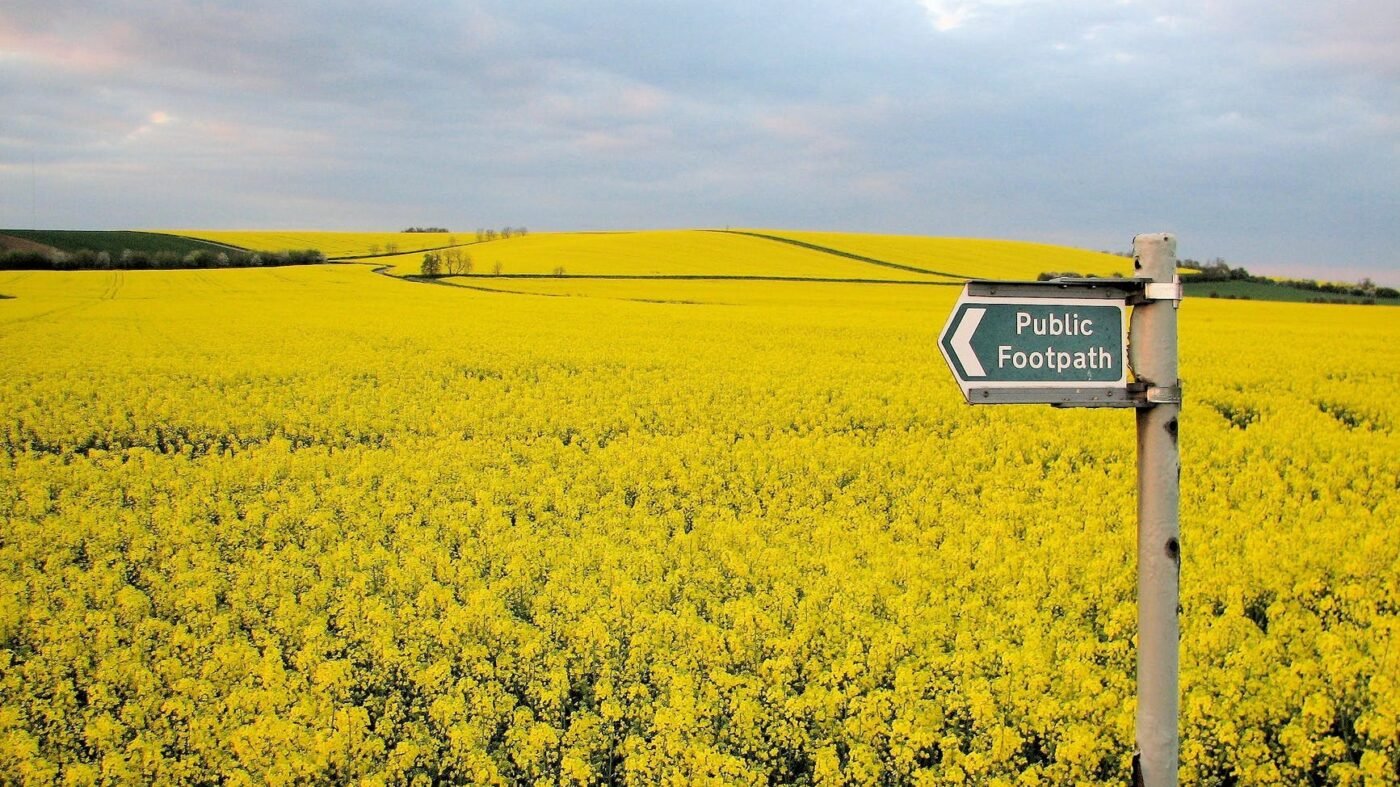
702, 253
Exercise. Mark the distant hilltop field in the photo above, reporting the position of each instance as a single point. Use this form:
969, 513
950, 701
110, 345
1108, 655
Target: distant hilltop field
515, 253
765, 253
727, 253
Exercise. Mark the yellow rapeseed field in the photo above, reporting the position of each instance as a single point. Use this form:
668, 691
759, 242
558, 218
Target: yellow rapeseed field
746, 252
669, 253
317, 525
333, 244
965, 258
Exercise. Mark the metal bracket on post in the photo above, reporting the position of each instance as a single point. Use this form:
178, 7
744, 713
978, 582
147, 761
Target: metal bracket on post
1164, 394
1162, 291
1152, 292
1145, 395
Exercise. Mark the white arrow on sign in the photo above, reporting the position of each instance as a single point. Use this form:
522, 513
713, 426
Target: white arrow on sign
962, 342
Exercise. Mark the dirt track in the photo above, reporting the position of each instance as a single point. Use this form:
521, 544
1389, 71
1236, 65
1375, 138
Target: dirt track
9, 242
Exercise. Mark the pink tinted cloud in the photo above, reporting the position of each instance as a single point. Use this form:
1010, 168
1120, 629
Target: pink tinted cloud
92, 54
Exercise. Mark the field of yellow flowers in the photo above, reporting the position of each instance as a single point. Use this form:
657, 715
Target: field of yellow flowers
676, 253
317, 525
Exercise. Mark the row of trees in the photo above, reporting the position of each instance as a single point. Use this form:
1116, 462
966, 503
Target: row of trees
504, 233
481, 234
1218, 270
135, 259
447, 262
455, 262
1362, 289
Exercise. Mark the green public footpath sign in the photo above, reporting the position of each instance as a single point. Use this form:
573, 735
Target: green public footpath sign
1042, 344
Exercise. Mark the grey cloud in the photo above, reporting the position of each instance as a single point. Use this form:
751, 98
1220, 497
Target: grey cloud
1271, 133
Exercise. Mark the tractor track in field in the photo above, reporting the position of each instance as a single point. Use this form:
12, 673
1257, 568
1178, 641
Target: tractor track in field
9, 327
846, 254
114, 285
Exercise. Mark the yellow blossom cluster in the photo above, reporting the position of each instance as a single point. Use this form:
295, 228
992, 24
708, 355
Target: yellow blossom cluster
315, 525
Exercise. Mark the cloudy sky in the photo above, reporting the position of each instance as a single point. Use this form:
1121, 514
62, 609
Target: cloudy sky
1266, 133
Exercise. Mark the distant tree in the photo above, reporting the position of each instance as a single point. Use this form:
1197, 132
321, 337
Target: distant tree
303, 257
373, 249
391, 248
197, 259
497, 268
558, 270
432, 264
18, 260
455, 262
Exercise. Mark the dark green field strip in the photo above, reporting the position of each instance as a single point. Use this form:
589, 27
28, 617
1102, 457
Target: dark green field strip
1265, 291
117, 241
848, 255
